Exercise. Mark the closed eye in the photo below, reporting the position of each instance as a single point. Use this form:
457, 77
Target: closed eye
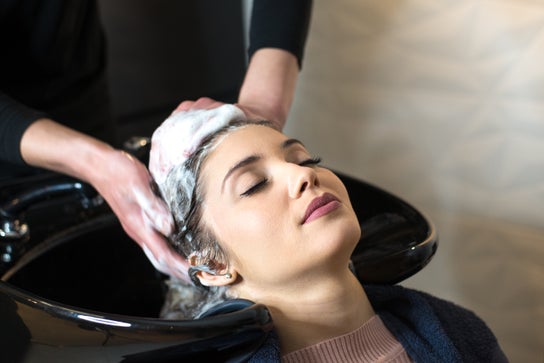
255, 188
262, 183
311, 161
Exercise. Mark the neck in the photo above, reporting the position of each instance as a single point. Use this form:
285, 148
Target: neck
318, 310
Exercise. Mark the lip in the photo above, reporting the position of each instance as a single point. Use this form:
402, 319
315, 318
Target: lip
320, 206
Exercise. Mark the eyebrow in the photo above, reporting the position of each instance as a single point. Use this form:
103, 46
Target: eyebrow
289, 142
246, 161
254, 158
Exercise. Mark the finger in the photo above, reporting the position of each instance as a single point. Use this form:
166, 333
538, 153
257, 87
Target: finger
154, 210
206, 103
156, 247
159, 216
248, 112
177, 266
203, 103
185, 105
164, 259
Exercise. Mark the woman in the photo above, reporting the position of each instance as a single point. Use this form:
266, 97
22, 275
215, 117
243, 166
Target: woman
258, 218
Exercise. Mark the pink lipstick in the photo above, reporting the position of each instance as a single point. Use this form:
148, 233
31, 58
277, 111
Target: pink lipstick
320, 206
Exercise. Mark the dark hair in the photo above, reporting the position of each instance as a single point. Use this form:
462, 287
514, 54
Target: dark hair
184, 194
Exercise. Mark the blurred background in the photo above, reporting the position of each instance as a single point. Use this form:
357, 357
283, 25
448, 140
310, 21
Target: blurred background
439, 102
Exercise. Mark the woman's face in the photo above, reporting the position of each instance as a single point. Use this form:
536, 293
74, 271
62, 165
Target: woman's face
277, 214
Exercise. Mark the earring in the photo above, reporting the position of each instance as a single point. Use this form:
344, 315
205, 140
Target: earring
228, 276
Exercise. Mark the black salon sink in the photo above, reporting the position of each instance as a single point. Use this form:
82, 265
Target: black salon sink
397, 239
87, 291
93, 265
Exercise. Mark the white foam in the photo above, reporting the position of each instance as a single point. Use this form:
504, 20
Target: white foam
180, 134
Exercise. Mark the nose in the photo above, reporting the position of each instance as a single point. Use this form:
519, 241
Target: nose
301, 178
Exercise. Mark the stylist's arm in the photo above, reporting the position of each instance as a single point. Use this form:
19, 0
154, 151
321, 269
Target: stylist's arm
122, 180
269, 86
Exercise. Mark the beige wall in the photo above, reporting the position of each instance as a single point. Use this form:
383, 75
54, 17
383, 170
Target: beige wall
442, 103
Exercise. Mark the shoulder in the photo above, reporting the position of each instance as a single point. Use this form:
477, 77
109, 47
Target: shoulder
401, 300
388, 295
423, 322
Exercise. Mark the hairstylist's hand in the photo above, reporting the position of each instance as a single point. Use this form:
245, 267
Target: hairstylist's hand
122, 180
256, 113
205, 103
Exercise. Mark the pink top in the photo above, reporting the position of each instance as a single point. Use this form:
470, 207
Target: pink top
372, 342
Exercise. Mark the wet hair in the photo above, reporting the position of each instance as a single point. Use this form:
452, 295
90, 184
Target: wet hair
184, 194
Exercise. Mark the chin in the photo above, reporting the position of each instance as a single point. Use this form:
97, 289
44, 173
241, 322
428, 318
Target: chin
348, 225
352, 233
341, 234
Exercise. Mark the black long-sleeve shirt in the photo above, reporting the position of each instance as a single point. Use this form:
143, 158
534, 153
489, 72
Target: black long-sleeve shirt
52, 64
53, 61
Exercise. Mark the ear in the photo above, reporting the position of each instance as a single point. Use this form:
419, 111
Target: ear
208, 279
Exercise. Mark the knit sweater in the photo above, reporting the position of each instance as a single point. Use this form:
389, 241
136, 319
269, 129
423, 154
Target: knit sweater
430, 329
372, 342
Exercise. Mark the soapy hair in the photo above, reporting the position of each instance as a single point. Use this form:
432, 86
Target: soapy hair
183, 192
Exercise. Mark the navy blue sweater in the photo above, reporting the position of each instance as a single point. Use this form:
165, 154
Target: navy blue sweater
431, 330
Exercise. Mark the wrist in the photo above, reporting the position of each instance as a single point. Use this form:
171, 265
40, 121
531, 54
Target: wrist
94, 161
269, 84
266, 112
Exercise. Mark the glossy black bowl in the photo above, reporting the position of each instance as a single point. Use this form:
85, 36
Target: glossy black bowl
85, 292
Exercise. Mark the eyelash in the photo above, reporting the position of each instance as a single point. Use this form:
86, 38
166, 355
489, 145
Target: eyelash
255, 188
311, 161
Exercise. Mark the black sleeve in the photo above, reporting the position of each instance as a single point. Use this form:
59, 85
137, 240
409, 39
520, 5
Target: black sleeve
280, 24
14, 120
52, 58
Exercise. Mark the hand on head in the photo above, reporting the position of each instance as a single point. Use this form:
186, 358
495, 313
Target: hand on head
251, 112
143, 215
125, 184
122, 180
203, 103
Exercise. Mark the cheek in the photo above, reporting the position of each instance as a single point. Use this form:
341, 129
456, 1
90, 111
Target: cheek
332, 181
255, 228
253, 237
247, 229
